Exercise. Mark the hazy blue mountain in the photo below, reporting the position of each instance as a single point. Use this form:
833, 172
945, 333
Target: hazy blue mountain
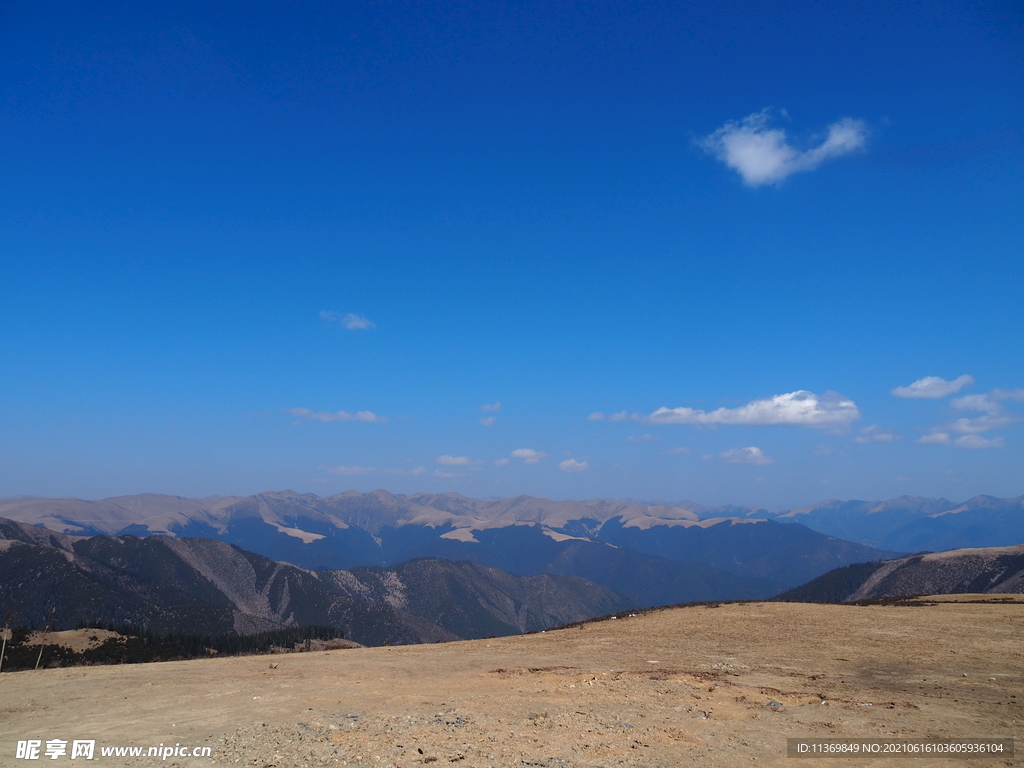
910, 524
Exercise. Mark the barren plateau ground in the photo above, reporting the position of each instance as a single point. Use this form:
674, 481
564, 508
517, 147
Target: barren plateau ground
690, 686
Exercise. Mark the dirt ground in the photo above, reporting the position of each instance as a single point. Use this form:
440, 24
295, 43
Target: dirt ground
693, 686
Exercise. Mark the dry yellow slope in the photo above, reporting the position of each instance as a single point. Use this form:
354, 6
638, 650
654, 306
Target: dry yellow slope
679, 687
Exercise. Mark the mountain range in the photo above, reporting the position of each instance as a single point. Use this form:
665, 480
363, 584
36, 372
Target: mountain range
651, 553
912, 524
390, 568
204, 586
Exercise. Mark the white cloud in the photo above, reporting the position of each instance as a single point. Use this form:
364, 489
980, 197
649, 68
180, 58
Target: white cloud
488, 421
528, 455
748, 455
990, 406
350, 321
642, 438
348, 471
977, 441
571, 465
620, 416
490, 408
763, 155
801, 409
875, 434
984, 403
305, 413
501, 462
458, 461
934, 387
1008, 394
982, 423
964, 441
448, 475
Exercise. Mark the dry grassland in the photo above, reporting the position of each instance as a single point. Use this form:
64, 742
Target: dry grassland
688, 686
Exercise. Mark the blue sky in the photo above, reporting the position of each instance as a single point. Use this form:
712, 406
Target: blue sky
314, 246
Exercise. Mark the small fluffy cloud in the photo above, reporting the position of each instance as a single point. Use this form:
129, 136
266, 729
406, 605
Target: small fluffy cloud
763, 155
488, 421
349, 471
933, 387
501, 462
801, 409
642, 438
306, 413
748, 455
596, 416
571, 465
458, 461
528, 455
350, 321
491, 408
875, 434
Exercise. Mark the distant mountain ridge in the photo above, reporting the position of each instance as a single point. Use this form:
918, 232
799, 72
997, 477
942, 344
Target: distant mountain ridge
523, 535
990, 570
912, 524
206, 586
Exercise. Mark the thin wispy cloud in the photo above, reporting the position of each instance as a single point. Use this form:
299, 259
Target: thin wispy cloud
349, 321
964, 441
990, 405
528, 455
599, 416
571, 465
645, 438
982, 423
676, 451
349, 471
325, 416
933, 387
876, 434
458, 461
414, 472
764, 155
488, 421
799, 409
749, 455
